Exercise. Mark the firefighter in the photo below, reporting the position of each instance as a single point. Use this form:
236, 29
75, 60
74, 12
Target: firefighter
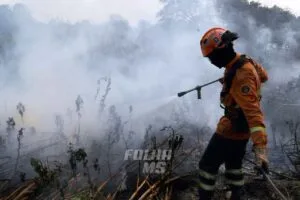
243, 118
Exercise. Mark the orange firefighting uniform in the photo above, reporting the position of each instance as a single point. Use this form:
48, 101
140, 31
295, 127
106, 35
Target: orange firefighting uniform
244, 94
243, 119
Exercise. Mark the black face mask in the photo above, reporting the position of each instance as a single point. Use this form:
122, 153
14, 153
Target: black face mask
221, 57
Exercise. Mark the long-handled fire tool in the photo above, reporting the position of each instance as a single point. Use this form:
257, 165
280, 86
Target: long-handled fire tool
267, 178
198, 89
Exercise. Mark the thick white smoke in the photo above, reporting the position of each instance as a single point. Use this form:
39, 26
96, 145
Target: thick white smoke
55, 61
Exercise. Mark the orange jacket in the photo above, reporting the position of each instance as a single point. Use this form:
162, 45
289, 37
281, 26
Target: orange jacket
245, 94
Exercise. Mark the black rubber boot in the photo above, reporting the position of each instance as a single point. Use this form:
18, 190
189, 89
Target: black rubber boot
237, 193
205, 195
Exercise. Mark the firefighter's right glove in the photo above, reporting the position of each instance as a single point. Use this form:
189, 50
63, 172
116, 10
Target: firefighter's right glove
261, 159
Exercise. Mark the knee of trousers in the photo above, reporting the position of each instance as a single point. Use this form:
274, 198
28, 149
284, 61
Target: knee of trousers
234, 178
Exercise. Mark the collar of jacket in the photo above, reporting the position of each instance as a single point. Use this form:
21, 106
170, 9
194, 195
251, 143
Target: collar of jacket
229, 65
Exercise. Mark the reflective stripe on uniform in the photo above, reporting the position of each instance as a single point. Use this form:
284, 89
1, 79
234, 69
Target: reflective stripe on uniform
257, 128
206, 186
234, 171
234, 177
207, 175
235, 183
207, 180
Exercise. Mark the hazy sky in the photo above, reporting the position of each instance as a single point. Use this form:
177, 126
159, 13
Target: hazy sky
93, 10
100, 10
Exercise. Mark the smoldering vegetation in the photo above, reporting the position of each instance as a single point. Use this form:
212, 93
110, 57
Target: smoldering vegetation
74, 97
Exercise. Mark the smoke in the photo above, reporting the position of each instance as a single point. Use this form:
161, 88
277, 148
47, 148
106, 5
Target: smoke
91, 10
55, 61
47, 64
268, 34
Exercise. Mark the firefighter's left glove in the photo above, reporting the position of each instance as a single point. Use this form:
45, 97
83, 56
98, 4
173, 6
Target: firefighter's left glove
261, 159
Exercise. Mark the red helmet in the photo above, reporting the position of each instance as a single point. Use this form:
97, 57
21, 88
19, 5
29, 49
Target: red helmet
214, 39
